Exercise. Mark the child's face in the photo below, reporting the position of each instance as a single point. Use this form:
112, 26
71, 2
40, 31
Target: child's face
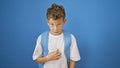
56, 25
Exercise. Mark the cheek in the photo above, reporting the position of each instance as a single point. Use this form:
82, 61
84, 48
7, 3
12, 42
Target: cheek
59, 29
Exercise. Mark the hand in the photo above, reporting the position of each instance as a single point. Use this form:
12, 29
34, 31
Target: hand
55, 55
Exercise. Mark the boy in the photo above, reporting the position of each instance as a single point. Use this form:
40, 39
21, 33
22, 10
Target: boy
56, 56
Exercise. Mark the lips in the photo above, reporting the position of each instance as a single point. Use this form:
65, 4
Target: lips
55, 32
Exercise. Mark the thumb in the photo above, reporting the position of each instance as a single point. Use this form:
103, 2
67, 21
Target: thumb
57, 50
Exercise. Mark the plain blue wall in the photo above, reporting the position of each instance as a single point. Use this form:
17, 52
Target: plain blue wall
95, 23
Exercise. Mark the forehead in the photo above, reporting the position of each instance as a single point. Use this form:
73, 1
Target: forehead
56, 21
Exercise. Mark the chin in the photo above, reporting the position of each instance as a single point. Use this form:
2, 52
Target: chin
56, 33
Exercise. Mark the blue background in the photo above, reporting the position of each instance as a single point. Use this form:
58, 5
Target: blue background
95, 23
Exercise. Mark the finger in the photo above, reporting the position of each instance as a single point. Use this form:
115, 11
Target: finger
58, 57
59, 54
57, 50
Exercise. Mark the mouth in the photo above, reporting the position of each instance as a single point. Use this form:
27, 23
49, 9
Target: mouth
55, 32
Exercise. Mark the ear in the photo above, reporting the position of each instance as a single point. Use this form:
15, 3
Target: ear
47, 21
64, 21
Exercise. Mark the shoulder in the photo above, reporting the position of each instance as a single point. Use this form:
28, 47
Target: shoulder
40, 35
68, 33
71, 35
39, 38
43, 33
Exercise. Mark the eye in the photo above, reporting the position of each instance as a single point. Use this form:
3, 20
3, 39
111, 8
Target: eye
59, 24
51, 24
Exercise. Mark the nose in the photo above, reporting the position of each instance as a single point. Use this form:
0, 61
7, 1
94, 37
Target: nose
55, 28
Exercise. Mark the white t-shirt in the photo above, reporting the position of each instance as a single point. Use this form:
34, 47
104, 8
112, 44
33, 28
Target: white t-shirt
54, 43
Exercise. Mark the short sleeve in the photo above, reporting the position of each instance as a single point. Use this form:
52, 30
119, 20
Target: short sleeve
38, 49
74, 52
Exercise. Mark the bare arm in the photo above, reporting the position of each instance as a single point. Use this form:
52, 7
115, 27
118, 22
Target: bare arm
51, 56
72, 64
41, 60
